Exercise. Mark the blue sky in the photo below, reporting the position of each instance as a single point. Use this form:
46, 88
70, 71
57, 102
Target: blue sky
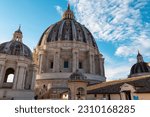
120, 27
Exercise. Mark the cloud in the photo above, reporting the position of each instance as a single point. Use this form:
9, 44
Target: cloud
59, 10
120, 22
142, 43
109, 20
117, 70
116, 21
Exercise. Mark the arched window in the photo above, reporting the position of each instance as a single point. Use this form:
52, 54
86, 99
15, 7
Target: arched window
9, 75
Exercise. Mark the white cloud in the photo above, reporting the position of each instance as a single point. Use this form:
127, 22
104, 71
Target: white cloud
120, 22
117, 72
116, 21
142, 43
59, 10
109, 20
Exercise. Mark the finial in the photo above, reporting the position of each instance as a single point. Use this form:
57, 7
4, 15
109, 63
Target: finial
68, 14
68, 5
139, 54
20, 27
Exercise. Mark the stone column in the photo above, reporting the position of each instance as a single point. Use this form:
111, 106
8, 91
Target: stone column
91, 62
75, 54
102, 71
123, 97
56, 61
2, 75
21, 76
41, 54
16, 77
103, 67
33, 80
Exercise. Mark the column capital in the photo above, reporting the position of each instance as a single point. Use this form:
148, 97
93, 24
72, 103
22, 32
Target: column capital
20, 64
42, 52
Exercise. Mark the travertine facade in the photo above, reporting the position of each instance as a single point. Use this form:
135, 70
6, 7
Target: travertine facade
65, 47
67, 65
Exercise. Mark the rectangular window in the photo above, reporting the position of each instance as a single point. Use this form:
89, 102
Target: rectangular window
66, 64
80, 65
51, 65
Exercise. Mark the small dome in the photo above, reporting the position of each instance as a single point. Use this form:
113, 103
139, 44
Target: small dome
77, 75
15, 48
68, 29
140, 67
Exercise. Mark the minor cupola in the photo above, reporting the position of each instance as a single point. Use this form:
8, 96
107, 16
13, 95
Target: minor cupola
68, 14
16, 46
140, 68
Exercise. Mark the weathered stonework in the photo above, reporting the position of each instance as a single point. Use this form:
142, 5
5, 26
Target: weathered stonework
65, 47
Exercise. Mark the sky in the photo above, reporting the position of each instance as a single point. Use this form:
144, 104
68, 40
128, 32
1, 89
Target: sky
120, 27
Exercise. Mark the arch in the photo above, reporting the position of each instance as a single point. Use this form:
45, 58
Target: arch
80, 93
9, 75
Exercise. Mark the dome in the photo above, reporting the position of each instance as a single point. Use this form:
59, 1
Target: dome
68, 29
77, 75
15, 48
140, 67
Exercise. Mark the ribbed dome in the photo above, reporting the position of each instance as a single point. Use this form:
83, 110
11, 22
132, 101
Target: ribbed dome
77, 75
67, 29
140, 67
15, 48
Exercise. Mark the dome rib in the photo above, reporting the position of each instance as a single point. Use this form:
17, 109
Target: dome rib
61, 30
74, 32
69, 30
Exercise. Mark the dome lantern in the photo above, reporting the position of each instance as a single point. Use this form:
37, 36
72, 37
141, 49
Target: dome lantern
139, 58
17, 36
68, 14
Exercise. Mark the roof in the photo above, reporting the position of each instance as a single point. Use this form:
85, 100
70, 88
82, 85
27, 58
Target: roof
141, 67
141, 84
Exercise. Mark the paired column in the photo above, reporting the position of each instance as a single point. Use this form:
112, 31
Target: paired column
92, 62
33, 77
41, 58
75, 60
57, 61
20, 76
102, 71
16, 77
